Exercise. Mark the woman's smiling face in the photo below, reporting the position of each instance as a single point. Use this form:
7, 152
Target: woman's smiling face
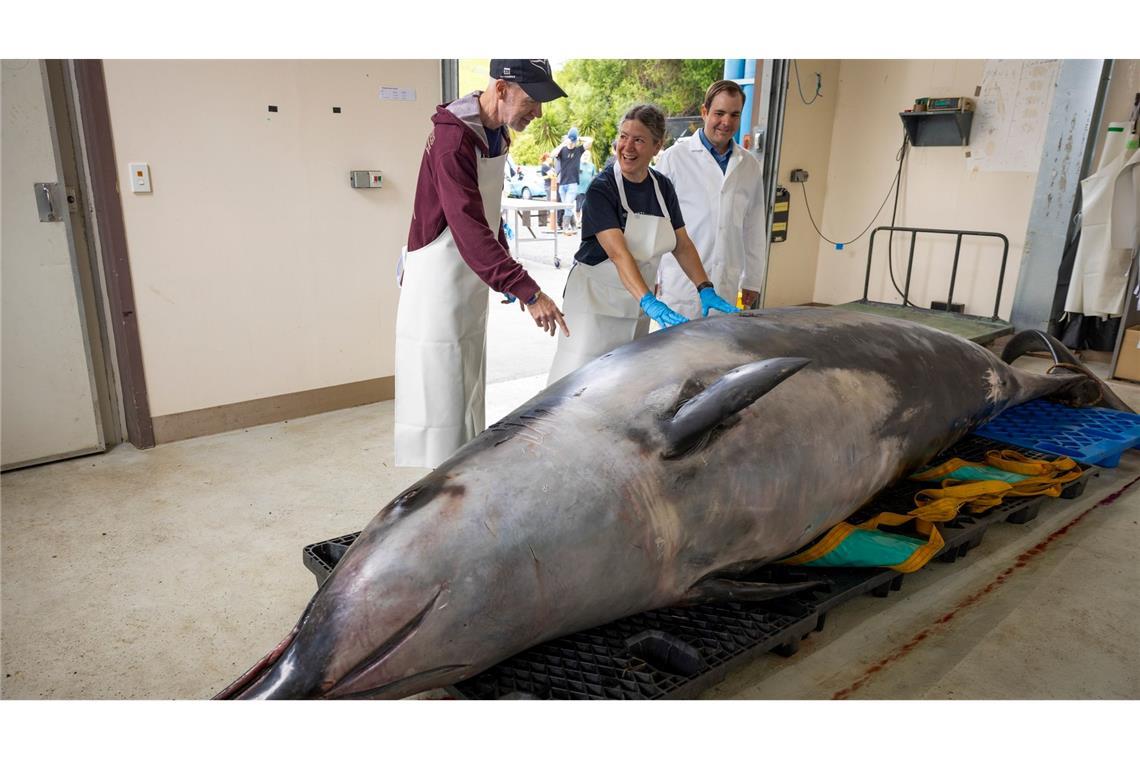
636, 148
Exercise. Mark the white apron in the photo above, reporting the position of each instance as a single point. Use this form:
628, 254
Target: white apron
1100, 271
441, 339
601, 313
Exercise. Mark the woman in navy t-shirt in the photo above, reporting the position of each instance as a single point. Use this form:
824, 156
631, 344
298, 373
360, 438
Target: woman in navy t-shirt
631, 218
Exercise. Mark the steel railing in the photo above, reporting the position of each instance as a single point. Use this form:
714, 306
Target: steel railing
959, 234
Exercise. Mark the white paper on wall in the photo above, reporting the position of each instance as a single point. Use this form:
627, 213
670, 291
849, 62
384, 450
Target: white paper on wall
397, 93
1010, 115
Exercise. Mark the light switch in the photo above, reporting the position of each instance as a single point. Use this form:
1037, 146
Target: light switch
140, 177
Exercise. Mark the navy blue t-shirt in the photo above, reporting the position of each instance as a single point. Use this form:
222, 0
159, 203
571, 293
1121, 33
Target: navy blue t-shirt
568, 159
602, 209
494, 141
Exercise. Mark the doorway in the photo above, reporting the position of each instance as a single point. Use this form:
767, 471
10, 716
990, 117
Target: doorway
599, 91
55, 404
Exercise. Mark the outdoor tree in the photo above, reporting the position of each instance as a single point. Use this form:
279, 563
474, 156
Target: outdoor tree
599, 91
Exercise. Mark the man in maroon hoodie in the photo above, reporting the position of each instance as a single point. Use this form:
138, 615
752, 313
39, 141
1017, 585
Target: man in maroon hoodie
456, 250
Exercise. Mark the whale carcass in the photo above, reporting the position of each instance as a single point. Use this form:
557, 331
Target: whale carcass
652, 476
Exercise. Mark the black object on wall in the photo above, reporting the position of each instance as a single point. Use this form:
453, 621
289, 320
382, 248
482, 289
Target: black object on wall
780, 215
937, 128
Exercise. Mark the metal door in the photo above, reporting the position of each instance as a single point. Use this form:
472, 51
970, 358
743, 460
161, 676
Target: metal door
48, 408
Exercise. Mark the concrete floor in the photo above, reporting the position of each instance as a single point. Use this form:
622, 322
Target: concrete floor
165, 573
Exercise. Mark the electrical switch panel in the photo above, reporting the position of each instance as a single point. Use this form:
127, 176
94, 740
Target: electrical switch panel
140, 177
365, 178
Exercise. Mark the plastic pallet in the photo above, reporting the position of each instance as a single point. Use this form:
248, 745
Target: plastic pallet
677, 653
1090, 436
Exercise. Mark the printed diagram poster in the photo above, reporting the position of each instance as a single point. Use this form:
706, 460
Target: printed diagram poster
1011, 114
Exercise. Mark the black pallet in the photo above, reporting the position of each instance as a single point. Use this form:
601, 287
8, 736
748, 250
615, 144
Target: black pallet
679, 652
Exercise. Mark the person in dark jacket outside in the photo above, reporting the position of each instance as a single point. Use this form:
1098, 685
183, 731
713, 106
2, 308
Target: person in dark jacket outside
566, 158
456, 250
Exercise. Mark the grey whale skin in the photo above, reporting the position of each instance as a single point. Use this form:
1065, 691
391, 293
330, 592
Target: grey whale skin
647, 478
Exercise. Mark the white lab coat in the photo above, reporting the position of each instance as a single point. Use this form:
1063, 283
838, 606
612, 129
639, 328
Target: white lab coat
724, 216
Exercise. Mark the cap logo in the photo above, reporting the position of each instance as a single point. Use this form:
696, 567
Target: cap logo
506, 71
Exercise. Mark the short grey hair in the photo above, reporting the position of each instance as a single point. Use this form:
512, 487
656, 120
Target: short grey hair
650, 116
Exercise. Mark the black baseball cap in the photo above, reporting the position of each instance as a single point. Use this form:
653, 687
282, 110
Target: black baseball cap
531, 74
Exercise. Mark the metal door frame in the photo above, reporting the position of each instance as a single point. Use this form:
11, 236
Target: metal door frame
771, 107
449, 79
61, 101
105, 214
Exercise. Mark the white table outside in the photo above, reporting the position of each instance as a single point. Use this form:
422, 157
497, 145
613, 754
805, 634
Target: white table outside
518, 205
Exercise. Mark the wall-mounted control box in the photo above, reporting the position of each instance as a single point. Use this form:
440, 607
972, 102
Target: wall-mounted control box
365, 178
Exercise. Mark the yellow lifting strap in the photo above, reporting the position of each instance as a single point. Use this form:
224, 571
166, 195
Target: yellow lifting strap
1011, 461
1046, 478
942, 504
836, 536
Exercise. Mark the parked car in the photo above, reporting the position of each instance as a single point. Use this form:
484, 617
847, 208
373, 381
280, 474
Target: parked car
524, 182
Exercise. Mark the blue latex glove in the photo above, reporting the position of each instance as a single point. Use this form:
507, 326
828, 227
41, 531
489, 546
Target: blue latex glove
710, 300
659, 312
507, 298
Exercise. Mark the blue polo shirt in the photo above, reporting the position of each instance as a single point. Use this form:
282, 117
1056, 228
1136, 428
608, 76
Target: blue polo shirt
721, 161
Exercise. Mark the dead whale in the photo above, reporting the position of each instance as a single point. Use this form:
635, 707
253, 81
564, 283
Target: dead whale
652, 476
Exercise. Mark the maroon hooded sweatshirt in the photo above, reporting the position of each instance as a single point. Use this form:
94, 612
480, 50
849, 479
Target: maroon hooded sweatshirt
447, 195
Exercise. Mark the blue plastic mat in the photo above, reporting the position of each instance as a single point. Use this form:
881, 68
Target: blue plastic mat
1090, 436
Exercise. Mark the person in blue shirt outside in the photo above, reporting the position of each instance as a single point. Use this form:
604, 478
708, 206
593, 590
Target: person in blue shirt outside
586, 173
631, 218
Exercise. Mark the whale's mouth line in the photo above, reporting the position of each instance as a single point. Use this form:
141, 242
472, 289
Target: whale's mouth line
344, 684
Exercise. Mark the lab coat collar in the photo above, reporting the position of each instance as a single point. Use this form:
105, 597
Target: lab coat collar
695, 144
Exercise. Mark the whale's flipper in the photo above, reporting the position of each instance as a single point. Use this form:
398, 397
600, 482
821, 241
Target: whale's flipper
695, 420
727, 590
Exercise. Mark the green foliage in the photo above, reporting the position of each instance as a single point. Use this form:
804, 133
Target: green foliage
473, 74
599, 91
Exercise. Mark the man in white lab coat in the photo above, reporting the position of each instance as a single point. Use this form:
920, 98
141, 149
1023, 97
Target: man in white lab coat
721, 190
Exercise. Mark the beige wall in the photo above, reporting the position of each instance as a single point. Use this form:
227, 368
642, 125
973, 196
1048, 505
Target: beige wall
939, 190
806, 145
257, 270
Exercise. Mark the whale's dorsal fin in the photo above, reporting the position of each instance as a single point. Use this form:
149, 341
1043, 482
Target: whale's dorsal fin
699, 416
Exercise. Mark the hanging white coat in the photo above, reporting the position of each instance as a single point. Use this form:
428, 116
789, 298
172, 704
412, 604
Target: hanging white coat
724, 216
1108, 224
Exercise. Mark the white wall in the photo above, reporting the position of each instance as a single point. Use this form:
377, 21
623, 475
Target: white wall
940, 189
257, 270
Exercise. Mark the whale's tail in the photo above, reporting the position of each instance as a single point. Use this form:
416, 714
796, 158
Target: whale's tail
1091, 391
